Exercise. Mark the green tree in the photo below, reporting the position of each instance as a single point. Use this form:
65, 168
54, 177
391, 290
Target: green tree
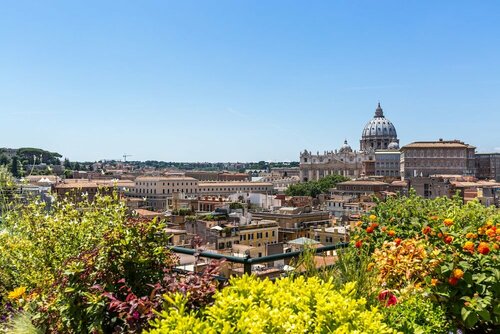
16, 167
315, 188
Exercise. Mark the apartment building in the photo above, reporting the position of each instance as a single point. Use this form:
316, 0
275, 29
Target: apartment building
158, 191
228, 188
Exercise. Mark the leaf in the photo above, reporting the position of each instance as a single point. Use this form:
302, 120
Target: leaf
471, 320
485, 315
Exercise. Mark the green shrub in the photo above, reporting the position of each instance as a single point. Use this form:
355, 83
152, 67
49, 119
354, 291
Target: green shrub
417, 314
251, 305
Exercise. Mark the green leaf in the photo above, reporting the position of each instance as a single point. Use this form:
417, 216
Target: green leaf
471, 320
485, 315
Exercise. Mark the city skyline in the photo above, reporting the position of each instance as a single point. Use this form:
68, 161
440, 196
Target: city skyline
224, 81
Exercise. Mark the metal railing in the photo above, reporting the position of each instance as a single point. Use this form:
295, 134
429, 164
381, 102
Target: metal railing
248, 261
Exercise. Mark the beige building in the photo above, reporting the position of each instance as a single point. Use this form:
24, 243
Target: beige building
259, 234
295, 222
228, 188
158, 191
425, 158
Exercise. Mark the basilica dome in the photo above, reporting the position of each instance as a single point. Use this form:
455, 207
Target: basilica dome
346, 148
378, 132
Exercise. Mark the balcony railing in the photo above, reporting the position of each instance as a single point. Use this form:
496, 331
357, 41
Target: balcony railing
248, 261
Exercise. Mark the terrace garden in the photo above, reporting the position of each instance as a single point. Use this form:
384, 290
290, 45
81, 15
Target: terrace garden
414, 266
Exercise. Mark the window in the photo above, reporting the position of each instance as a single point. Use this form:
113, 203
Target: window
273, 233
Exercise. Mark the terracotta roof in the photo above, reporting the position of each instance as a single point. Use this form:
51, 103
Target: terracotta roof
165, 178
234, 184
437, 144
363, 182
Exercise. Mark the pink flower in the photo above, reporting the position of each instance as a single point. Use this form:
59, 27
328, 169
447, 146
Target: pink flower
388, 298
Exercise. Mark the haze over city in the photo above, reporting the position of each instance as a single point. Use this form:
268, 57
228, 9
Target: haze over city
244, 81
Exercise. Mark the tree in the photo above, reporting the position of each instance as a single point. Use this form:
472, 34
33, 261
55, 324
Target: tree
315, 188
4, 160
16, 167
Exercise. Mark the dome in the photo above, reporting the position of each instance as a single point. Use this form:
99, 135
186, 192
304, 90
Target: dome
393, 146
379, 126
378, 133
345, 148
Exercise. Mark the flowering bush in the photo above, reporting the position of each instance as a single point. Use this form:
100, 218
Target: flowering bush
251, 305
88, 268
442, 246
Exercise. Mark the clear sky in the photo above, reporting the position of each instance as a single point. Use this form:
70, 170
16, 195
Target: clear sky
244, 80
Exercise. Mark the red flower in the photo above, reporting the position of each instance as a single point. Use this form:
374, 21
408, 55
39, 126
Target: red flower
483, 248
369, 229
358, 244
397, 241
426, 230
448, 239
388, 298
453, 280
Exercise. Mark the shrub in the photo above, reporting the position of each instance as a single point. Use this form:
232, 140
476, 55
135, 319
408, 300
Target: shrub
250, 305
443, 246
417, 314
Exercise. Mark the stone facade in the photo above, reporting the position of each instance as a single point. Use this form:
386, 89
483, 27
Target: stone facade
378, 134
423, 159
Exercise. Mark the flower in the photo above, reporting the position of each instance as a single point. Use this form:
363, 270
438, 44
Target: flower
359, 243
17, 293
469, 247
369, 229
434, 281
470, 235
359, 223
370, 266
483, 248
391, 233
448, 239
458, 273
397, 241
453, 280
448, 222
491, 232
375, 225
373, 217
496, 246
426, 230
383, 228
387, 297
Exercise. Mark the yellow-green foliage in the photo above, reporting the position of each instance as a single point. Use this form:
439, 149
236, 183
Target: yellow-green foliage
250, 305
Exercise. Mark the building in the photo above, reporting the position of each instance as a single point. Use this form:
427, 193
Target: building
78, 189
425, 158
488, 166
295, 222
228, 188
358, 188
387, 163
158, 191
217, 176
378, 134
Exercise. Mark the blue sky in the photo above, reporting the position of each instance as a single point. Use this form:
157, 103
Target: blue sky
244, 80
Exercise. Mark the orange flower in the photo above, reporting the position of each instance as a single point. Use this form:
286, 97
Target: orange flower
483, 248
383, 228
434, 281
440, 235
453, 280
426, 230
369, 229
359, 243
495, 246
397, 241
458, 273
490, 232
375, 225
469, 235
448, 239
391, 233
469, 247
448, 222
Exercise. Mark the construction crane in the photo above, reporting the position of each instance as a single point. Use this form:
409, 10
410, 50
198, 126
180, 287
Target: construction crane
125, 155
